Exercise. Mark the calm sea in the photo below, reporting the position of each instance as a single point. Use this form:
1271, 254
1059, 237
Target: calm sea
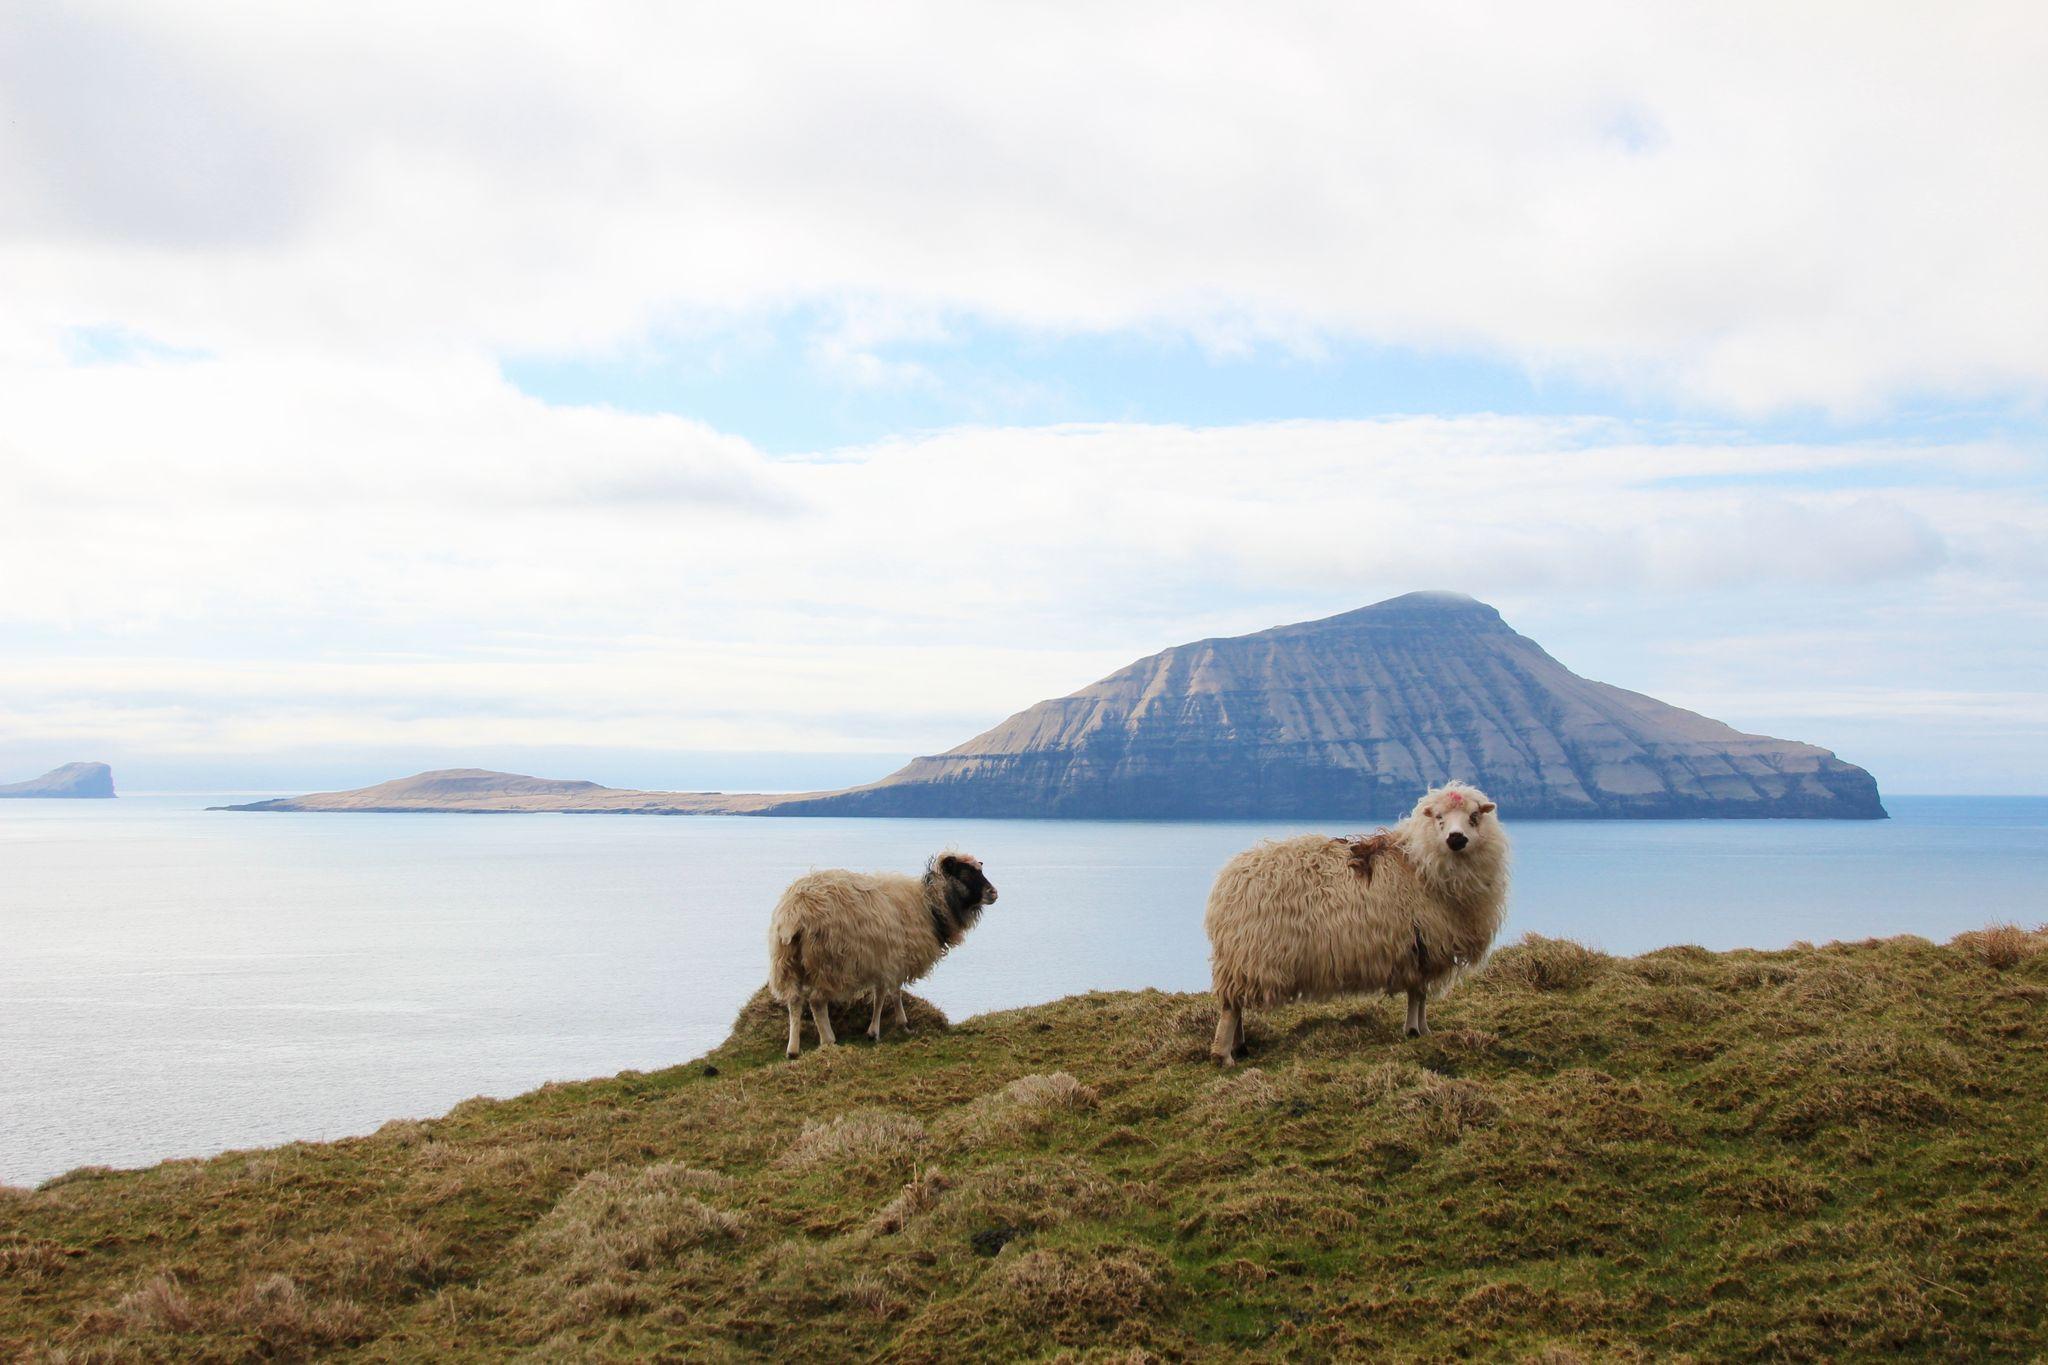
176, 982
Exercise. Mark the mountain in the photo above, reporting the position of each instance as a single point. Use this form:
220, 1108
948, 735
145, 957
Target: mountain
1351, 717
480, 791
82, 781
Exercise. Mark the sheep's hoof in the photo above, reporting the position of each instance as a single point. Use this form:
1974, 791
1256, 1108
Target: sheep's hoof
1224, 1059
790, 1054
874, 1035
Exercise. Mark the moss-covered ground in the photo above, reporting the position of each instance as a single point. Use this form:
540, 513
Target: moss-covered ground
1812, 1154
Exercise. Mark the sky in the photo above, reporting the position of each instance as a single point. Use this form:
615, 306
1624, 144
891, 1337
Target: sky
755, 396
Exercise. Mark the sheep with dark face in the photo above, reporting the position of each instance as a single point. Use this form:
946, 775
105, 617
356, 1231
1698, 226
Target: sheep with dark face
837, 935
1404, 910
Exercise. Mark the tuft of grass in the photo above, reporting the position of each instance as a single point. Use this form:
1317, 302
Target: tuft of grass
273, 1310
865, 1140
1044, 1094
628, 1220
158, 1304
1027, 1104
1830, 1152
762, 1025
2001, 946
919, 1194
1085, 1287
30, 1262
1547, 964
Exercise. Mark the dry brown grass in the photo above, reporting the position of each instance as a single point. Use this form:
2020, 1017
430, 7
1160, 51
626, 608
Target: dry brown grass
629, 1220
32, 1262
2002, 946
1032, 1193
1444, 1109
284, 1321
1826, 1153
1802, 1086
158, 1304
1080, 1286
1025, 1105
867, 1139
1285, 1205
1547, 964
764, 1022
918, 1196
1246, 1088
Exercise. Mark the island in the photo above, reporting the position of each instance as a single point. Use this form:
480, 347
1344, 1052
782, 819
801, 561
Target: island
480, 791
72, 782
1348, 717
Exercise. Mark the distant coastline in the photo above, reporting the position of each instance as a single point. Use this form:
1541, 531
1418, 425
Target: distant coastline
1345, 718
479, 791
476, 791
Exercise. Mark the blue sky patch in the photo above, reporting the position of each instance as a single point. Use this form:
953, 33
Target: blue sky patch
789, 386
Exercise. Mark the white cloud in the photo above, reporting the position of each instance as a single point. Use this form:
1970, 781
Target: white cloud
1746, 205
210, 557
294, 501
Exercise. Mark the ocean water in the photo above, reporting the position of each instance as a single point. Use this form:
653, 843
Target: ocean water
178, 982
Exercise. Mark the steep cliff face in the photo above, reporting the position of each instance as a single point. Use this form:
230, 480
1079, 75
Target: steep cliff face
73, 780
1351, 717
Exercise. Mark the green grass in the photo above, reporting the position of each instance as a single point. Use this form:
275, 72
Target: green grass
1810, 1154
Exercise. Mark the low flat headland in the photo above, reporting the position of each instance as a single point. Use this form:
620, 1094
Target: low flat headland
1816, 1153
479, 791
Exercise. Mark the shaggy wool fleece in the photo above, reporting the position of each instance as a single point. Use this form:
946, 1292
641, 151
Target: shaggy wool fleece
1311, 916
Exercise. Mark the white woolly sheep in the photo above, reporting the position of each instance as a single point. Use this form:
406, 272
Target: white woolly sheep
1405, 909
838, 935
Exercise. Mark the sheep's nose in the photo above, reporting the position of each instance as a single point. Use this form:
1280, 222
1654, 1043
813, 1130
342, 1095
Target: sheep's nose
990, 897
1456, 841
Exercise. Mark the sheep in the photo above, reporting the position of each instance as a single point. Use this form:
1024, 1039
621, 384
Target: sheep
839, 935
1405, 909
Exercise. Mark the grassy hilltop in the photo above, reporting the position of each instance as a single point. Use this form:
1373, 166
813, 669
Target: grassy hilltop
1815, 1153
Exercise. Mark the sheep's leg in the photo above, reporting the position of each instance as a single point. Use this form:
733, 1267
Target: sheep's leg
1229, 1034
1418, 1012
821, 1015
902, 1017
875, 1024
796, 1027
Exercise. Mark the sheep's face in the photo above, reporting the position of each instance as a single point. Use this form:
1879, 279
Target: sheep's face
964, 871
1458, 817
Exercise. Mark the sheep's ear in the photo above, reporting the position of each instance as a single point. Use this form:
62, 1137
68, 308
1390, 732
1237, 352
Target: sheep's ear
950, 865
1484, 808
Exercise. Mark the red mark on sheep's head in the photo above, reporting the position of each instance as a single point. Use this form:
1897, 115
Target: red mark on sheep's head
1454, 798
